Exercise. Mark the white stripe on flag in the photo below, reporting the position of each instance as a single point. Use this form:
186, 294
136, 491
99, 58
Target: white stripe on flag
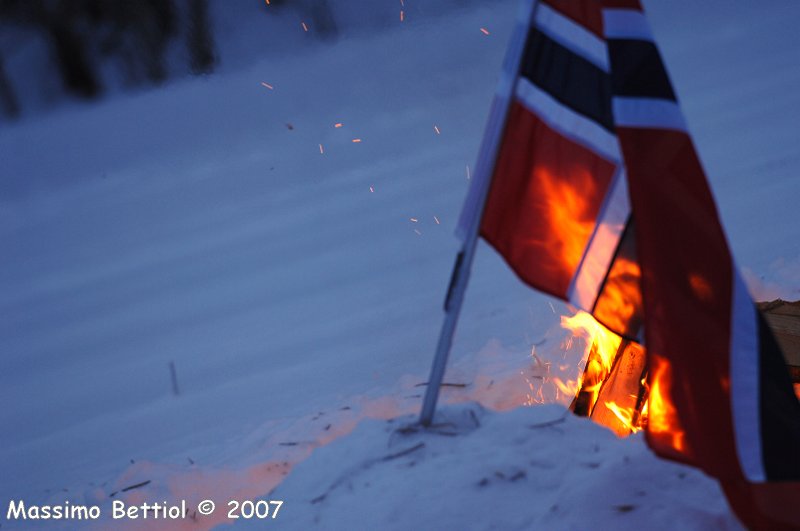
599, 254
626, 24
648, 113
572, 36
572, 125
744, 378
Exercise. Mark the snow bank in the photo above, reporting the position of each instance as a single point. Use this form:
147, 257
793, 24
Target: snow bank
531, 468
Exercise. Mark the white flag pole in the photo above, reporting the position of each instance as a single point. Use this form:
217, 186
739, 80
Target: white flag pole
476, 200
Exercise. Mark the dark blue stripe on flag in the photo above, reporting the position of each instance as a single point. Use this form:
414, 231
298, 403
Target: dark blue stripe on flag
568, 78
637, 70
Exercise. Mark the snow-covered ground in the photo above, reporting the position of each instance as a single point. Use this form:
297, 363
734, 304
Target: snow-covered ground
295, 279
533, 468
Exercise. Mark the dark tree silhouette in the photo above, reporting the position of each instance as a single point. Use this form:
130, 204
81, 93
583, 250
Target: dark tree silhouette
8, 100
322, 19
199, 40
71, 56
84, 34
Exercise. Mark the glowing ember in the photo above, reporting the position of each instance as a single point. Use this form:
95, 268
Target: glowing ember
337, 125
267, 85
413, 220
356, 140
436, 220
436, 128
305, 28
484, 31
372, 190
321, 151
402, 16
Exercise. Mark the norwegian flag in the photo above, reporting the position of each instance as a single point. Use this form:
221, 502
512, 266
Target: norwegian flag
595, 194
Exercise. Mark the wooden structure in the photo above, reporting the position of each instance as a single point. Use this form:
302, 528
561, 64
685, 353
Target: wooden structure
784, 319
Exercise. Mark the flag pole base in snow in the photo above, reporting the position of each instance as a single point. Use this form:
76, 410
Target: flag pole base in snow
445, 340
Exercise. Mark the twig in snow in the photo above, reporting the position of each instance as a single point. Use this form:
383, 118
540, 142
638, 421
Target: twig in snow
364, 467
403, 452
142, 484
129, 487
548, 423
474, 418
174, 377
443, 384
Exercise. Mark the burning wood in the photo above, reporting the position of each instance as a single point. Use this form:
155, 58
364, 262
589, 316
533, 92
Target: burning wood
621, 397
613, 389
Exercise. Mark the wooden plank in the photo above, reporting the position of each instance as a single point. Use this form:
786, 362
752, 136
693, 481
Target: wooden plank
622, 390
784, 319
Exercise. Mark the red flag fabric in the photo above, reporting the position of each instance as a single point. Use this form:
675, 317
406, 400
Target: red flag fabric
598, 197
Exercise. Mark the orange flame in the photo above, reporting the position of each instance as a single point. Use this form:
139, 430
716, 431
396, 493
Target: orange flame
568, 388
629, 413
599, 339
601, 349
598, 355
625, 416
662, 417
621, 295
569, 214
